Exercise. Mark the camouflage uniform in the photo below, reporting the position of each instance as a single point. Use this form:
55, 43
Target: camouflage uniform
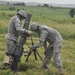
54, 39
15, 29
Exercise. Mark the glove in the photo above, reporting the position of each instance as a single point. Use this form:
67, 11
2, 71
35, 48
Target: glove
33, 48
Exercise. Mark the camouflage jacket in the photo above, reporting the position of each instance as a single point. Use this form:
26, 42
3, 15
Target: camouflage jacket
47, 34
15, 29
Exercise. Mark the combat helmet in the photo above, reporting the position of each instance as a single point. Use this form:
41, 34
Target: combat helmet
34, 26
22, 13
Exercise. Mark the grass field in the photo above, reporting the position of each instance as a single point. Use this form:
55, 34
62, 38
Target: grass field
58, 19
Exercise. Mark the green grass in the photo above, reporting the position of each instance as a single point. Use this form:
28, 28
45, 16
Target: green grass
58, 19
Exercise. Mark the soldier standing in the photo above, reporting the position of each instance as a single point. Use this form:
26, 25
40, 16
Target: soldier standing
15, 29
53, 37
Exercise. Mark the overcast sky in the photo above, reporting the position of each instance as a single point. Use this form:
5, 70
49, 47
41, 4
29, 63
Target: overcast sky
46, 1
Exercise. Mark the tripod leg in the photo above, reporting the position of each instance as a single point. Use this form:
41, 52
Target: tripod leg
41, 59
28, 56
35, 55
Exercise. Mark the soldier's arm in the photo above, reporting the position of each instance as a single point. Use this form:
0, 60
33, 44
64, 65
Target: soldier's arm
43, 36
45, 45
19, 27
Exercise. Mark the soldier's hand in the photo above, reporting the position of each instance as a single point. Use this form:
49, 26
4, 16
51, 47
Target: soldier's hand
33, 48
30, 32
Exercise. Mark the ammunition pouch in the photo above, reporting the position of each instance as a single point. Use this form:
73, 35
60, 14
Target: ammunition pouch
11, 51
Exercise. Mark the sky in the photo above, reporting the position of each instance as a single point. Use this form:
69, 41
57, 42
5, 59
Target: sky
46, 1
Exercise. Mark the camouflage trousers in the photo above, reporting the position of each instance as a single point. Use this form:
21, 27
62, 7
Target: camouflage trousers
10, 44
54, 50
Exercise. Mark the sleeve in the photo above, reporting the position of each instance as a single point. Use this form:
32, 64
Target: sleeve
19, 27
43, 36
45, 45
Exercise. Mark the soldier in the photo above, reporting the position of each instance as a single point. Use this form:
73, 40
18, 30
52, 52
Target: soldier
53, 37
15, 29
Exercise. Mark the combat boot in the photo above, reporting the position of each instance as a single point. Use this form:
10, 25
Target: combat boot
7, 60
60, 71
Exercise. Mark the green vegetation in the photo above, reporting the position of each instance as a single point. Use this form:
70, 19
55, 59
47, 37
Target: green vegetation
58, 19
